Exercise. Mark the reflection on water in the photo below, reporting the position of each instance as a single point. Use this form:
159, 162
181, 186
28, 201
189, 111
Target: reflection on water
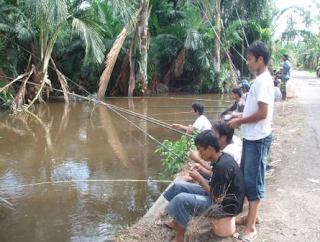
74, 142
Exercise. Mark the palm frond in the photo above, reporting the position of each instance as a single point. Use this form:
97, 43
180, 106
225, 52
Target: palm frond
123, 9
5, 27
51, 11
94, 44
23, 33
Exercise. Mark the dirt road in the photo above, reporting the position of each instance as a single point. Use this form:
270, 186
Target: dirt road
292, 208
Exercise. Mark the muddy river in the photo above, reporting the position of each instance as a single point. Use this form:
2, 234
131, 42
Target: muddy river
67, 168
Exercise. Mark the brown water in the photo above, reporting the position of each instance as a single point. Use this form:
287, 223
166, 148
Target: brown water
62, 143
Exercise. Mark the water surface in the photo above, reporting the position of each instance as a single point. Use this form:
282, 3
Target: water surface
82, 142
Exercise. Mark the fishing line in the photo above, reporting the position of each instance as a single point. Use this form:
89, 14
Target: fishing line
178, 106
74, 181
244, 34
171, 98
149, 135
218, 35
159, 114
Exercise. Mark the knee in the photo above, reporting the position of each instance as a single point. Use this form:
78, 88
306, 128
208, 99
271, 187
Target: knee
173, 191
181, 198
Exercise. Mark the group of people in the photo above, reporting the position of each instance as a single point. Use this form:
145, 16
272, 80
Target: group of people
223, 172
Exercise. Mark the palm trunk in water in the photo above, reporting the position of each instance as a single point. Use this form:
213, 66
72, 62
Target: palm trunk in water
144, 46
216, 51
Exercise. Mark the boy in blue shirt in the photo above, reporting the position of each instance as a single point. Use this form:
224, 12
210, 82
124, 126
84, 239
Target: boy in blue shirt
285, 76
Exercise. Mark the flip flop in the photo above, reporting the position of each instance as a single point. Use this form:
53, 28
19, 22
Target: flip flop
162, 224
247, 238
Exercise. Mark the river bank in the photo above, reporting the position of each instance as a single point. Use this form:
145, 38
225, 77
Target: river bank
289, 213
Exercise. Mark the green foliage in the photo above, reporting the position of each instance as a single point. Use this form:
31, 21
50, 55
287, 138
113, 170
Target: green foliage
88, 28
217, 81
170, 149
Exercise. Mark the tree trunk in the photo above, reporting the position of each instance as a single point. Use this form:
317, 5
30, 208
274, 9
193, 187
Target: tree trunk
242, 61
178, 70
112, 57
176, 67
121, 85
144, 46
216, 53
234, 83
132, 63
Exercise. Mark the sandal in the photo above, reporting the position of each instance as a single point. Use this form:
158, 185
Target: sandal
247, 238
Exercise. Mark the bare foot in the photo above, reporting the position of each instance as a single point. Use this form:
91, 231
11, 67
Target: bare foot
178, 239
242, 220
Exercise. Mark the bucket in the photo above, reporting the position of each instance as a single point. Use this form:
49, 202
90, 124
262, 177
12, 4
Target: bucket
223, 227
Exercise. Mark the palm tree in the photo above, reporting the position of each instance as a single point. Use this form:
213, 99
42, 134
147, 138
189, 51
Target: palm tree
45, 21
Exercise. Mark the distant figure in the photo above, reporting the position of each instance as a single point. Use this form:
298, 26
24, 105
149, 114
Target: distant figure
277, 92
285, 76
238, 104
245, 87
202, 123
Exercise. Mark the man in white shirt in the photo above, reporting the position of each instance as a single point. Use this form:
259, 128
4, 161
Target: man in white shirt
202, 123
255, 125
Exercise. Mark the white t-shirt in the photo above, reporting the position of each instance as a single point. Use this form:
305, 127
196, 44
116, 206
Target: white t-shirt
234, 149
202, 123
262, 90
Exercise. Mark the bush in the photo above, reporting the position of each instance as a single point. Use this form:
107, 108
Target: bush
170, 149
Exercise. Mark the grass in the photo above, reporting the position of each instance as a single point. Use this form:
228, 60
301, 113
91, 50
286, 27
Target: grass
311, 72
